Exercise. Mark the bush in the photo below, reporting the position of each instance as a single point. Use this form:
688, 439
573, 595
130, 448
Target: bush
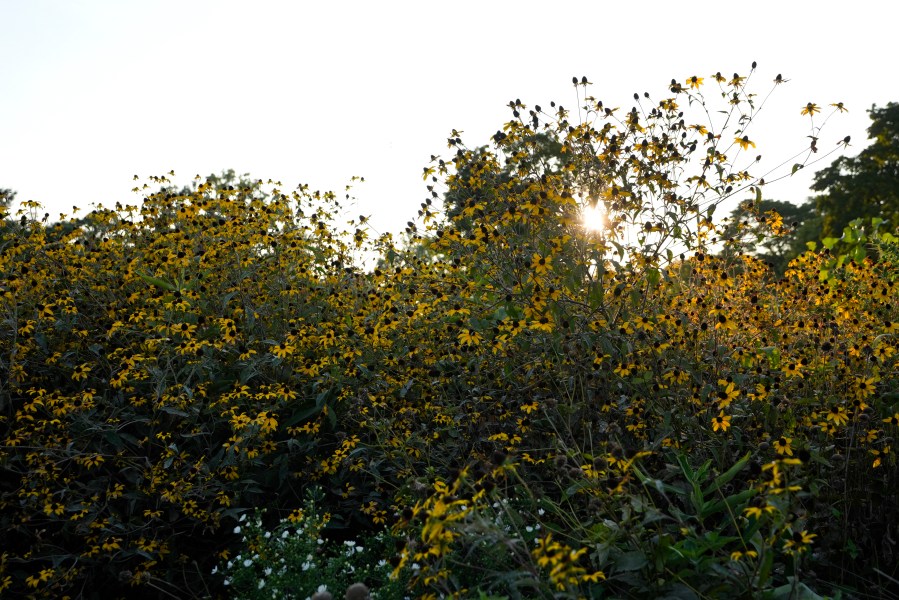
634, 411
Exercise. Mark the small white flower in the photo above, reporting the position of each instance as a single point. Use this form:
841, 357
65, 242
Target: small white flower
227, 582
320, 541
529, 529
268, 534
359, 548
267, 571
215, 569
285, 534
237, 529
541, 512
247, 562
261, 584
322, 588
242, 518
350, 543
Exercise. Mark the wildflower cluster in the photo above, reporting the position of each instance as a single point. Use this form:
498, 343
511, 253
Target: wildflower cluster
607, 408
296, 559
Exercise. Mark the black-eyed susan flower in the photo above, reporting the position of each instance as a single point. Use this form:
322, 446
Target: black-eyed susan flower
744, 142
540, 264
282, 350
838, 415
782, 445
721, 422
799, 542
80, 372
810, 109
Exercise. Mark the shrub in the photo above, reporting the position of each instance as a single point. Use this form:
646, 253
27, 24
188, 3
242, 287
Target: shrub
634, 411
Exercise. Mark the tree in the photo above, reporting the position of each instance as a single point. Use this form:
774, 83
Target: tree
866, 185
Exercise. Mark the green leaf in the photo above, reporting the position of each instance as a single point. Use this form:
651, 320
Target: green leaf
157, 282
710, 508
830, 242
796, 167
405, 389
726, 477
811, 246
765, 569
631, 561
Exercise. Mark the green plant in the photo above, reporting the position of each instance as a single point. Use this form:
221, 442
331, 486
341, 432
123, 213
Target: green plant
296, 559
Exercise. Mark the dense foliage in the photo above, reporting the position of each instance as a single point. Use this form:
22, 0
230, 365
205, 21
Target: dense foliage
866, 185
526, 407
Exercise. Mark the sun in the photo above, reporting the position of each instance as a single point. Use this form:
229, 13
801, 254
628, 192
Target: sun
593, 218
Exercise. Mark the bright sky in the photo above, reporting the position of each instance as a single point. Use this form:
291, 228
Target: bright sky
94, 92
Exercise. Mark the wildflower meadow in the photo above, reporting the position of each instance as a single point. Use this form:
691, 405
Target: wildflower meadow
567, 378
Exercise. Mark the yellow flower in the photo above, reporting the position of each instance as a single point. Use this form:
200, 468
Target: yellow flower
694, 82
543, 323
267, 421
721, 422
80, 372
468, 337
540, 264
799, 542
727, 395
744, 142
839, 106
838, 415
282, 350
782, 446
529, 408
810, 109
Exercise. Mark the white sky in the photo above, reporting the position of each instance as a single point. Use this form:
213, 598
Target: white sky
93, 92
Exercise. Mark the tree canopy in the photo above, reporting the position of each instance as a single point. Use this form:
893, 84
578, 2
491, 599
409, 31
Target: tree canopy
866, 185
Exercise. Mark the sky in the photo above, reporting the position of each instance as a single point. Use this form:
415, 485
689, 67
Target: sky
94, 92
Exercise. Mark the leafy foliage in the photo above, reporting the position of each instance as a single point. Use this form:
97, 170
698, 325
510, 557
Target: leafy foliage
863, 186
615, 413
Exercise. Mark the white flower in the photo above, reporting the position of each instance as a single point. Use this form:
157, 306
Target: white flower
268, 571
247, 562
227, 582
215, 569
322, 588
237, 529
268, 534
242, 518
261, 584
350, 543
541, 512
285, 534
529, 529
